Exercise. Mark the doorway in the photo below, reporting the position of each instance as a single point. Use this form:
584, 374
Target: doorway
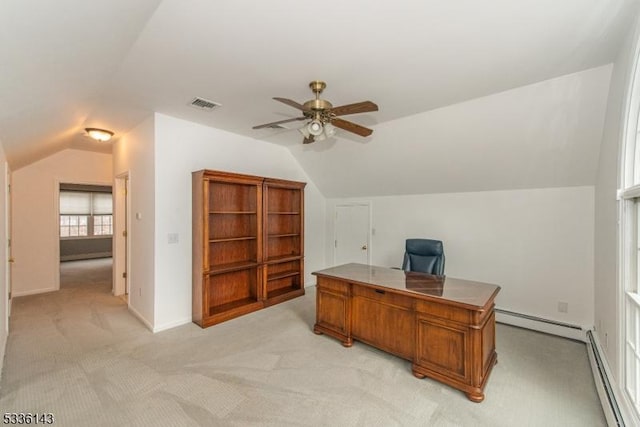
352, 225
84, 223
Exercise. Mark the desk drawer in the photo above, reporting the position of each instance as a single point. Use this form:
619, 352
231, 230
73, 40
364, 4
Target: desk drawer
383, 296
444, 311
336, 286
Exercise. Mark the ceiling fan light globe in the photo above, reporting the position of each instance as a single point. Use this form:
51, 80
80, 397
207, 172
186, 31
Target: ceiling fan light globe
329, 130
304, 131
315, 127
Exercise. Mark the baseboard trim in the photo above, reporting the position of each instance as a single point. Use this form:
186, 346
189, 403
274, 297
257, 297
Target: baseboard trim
553, 327
612, 403
173, 324
80, 257
31, 292
141, 318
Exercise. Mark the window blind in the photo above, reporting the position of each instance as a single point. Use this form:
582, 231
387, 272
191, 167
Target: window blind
102, 204
75, 203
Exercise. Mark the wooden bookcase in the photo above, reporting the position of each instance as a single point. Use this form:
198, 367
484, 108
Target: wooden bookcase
248, 240
283, 211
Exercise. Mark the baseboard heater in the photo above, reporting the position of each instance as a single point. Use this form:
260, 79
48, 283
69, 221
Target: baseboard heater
537, 319
604, 378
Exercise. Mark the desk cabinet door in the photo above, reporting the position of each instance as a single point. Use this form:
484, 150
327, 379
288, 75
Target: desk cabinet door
443, 347
385, 326
332, 306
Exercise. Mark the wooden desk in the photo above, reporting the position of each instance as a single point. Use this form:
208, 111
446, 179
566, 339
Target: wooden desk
444, 326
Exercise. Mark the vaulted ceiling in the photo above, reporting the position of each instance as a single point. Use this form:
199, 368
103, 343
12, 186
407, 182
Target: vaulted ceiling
71, 64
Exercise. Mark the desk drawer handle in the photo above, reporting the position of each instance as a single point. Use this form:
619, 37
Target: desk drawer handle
379, 291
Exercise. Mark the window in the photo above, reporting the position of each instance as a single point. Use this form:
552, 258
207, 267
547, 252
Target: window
630, 245
102, 225
73, 225
84, 214
632, 302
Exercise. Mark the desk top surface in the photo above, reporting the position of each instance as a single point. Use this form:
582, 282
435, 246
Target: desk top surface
422, 285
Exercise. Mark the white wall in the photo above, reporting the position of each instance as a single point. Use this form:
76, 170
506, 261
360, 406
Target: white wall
183, 147
134, 153
536, 244
527, 137
4, 285
35, 214
159, 156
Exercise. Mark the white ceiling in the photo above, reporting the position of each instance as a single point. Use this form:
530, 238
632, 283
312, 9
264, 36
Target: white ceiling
70, 64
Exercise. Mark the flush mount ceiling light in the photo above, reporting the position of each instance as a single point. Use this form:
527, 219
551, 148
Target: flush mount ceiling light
101, 135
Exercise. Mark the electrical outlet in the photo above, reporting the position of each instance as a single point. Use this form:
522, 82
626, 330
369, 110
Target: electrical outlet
563, 307
173, 238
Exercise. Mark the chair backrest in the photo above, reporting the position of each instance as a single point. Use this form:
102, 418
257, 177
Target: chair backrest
424, 255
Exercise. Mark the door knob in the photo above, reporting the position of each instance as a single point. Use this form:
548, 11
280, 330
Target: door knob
11, 260
364, 247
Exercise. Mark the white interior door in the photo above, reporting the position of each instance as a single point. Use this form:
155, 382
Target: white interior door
7, 227
352, 234
120, 236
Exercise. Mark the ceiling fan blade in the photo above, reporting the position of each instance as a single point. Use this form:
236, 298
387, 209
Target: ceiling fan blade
291, 103
308, 139
351, 127
358, 107
272, 124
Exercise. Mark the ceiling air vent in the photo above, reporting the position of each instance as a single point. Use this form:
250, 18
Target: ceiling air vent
203, 104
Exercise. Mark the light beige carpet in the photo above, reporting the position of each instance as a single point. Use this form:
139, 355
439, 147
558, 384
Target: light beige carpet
79, 354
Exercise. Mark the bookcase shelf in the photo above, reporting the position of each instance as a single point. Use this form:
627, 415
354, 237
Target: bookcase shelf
233, 212
282, 275
248, 240
233, 266
232, 239
282, 258
225, 308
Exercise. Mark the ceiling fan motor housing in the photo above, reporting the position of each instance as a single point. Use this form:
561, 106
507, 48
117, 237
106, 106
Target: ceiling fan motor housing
317, 105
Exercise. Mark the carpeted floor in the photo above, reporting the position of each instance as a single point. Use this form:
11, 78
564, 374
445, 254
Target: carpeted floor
80, 355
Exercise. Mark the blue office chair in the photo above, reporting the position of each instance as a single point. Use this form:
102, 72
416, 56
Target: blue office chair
424, 255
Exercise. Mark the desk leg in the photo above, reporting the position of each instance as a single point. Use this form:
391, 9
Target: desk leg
345, 340
477, 396
418, 374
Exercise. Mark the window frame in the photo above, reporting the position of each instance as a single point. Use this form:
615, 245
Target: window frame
628, 197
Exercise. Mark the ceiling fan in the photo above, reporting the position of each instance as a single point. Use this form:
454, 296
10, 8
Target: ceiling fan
323, 116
